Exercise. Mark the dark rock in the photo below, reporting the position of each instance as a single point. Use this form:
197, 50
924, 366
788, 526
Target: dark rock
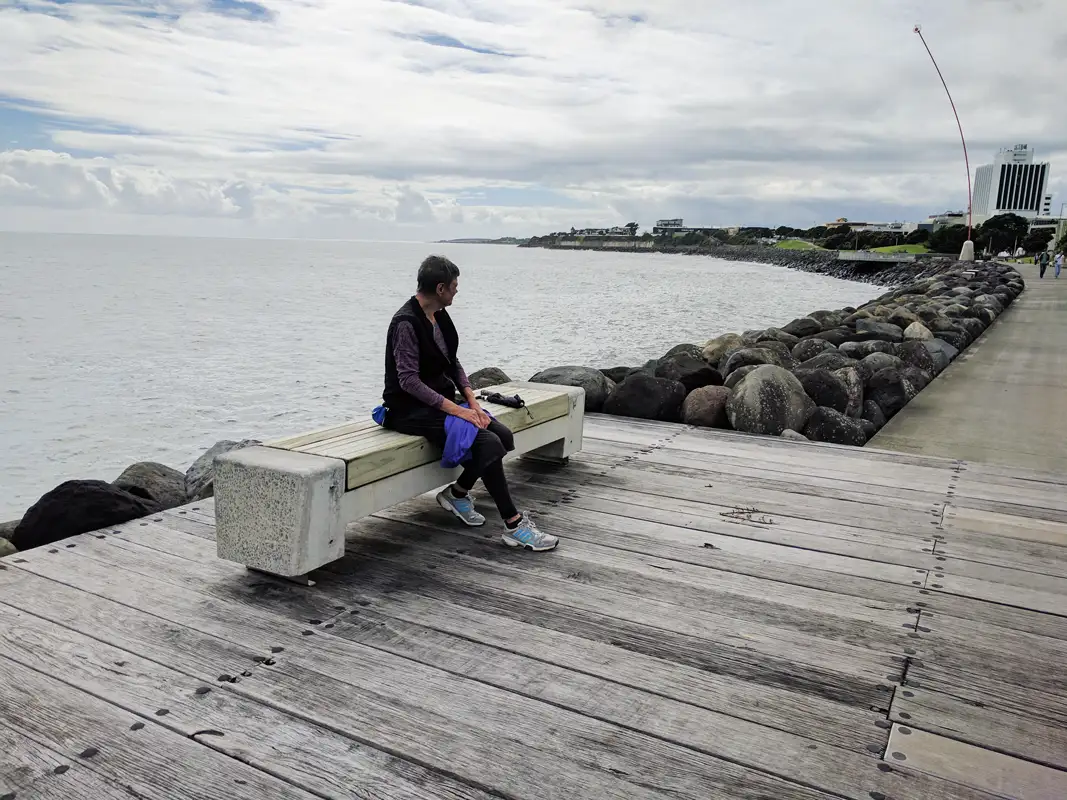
715, 349
751, 356
768, 401
915, 354
830, 425
942, 353
616, 374
835, 336
891, 390
780, 348
596, 384
738, 375
645, 396
853, 379
876, 362
688, 349
793, 436
157, 483
830, 360
869, 429
778, 335
825, 388
902, 318
860, 350
490, 376
7, 529
693, 373
809, 348
872, 329
76, 507
200, 477
973, 327
706, 407
804, 326
955, 338
827, 319
917, 377
873, 413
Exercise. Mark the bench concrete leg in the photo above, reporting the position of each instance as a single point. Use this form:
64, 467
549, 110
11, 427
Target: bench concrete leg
279, 511
559, 451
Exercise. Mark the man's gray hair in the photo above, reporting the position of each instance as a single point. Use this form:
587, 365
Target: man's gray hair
434, 271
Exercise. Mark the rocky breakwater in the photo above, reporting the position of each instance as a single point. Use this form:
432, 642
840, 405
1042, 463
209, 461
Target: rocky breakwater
80, 506
833, 376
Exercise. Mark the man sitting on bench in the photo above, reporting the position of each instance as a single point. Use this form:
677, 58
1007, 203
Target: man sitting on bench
422, 375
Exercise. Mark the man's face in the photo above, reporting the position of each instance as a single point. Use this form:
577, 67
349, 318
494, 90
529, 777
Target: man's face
446, 293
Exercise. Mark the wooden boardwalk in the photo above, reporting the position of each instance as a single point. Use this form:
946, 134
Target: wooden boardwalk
727, 617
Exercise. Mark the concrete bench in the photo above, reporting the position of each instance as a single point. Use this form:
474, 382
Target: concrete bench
283, 507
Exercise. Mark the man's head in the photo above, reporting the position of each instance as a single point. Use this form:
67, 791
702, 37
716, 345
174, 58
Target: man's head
438, 279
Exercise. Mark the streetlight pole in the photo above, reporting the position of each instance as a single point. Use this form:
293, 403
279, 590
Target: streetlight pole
967, 254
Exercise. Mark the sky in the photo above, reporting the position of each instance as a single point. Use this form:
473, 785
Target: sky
426, 119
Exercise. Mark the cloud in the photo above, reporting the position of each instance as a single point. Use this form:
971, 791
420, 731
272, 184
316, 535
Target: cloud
436, 115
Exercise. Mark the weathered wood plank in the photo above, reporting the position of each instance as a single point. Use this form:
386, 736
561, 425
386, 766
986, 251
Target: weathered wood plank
29, 770
119, 747
981, 725
307, 755
973, 766
1049, 602
963, 519
781, 708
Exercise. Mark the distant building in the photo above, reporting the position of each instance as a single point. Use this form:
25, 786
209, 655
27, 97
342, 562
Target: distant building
1012, 184
677, 227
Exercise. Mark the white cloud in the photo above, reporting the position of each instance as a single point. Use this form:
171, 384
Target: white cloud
362, 114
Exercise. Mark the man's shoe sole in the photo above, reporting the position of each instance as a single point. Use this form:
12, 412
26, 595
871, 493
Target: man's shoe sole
530, 547
448, 507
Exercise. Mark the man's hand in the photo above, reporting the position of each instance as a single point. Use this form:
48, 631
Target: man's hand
482, 415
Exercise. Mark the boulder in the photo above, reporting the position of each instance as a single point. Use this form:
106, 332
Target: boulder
973, 327
6, 548
751, 356
7, 529
645, 396
835, 336
158, 483
917, 332
689, 349
738, 375
917, 377
902, 318
715, 349
853, 381
596, 384
200, 477
873, 414
826, 319
809, 348
868, 427
825, 388
957, 339
830, 425
867, 329
830, 360
804, 326
915, 354
942, 353
616, 374
76, 507
876, 362
691, 372
793, 436
490, 376
777, 335
706, 407
891, 390
860, 350
768, 401
648, 368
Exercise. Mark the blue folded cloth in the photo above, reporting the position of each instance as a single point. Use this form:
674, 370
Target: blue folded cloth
459, 436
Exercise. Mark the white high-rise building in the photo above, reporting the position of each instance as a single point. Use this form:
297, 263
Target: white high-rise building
1013, 183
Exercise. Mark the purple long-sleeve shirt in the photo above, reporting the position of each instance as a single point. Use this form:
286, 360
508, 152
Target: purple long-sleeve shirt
406, 353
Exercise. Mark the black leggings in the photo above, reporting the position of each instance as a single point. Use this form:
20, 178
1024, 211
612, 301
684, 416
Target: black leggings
487, 452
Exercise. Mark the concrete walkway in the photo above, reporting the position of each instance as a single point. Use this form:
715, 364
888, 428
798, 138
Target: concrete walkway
1004, 401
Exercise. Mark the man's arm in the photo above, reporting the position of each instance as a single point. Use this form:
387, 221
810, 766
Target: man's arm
406, 355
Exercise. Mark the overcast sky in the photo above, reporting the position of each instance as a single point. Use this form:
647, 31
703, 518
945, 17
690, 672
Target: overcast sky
423, 119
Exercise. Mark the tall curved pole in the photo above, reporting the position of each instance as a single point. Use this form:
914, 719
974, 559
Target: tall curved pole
966, 160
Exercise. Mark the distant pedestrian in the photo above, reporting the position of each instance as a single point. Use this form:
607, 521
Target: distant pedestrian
1059, 263
1042, 263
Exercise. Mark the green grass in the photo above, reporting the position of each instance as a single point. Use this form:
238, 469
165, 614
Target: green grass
796, 244
903, 248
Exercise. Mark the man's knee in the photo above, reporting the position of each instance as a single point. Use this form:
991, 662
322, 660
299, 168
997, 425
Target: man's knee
504, 434
488, 447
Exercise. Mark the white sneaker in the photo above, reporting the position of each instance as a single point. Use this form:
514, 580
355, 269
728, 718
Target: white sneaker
462, 507
528, 535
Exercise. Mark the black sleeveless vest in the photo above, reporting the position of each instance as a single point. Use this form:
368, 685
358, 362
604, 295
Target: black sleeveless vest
436, 370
